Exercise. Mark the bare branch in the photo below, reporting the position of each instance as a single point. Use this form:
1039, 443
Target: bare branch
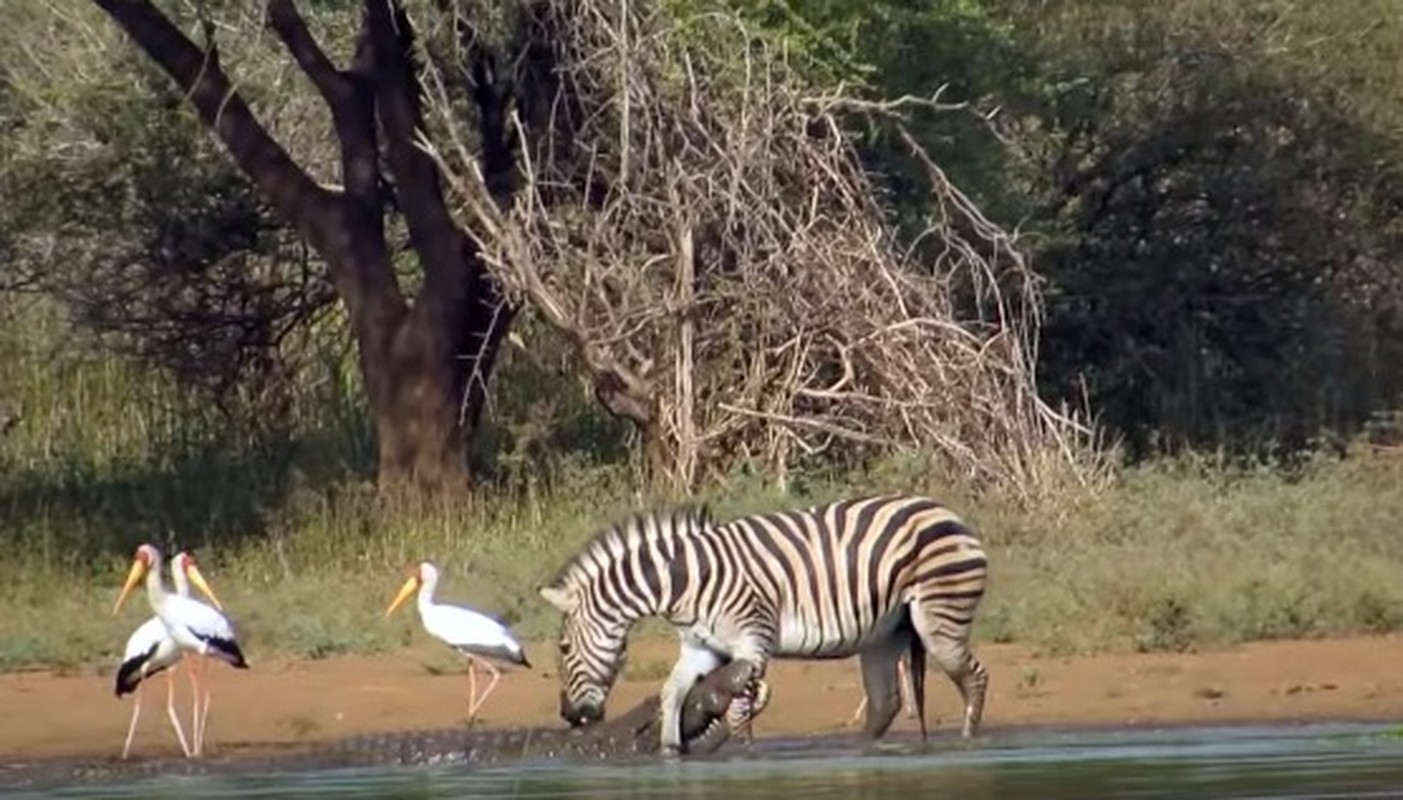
708, 243
831, 102
199, 75
291, 29
437, 237
350, 100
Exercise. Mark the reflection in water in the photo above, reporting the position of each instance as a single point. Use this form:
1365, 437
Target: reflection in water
1282, 762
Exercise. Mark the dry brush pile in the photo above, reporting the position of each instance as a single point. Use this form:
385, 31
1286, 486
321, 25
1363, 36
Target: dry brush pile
695, 222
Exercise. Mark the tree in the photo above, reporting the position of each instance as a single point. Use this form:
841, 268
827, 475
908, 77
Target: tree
696, 222
683, 207
1221, 220
424, 354
123, 209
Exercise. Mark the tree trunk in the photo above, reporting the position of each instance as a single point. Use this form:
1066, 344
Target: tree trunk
416, 404
427, 385
416, 423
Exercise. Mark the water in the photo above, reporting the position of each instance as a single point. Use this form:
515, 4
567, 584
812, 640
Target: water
1305, 761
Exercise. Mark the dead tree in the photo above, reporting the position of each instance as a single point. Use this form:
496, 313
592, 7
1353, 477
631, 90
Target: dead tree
698, 228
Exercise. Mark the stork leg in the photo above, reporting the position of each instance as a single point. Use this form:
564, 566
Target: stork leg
174, 717
472, 690
136, 714
204, 713
496, 676
191, 668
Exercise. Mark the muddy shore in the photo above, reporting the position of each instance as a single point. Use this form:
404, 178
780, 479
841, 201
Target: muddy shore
286, 705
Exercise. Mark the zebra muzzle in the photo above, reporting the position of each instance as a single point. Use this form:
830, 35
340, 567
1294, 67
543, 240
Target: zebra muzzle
578, 716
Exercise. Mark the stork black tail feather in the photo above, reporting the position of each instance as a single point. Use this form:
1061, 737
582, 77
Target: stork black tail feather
227, 650
129, 674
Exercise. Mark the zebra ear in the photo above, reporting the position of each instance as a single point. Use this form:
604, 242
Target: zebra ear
561, 599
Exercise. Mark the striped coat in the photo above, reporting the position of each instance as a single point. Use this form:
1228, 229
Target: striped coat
877, 577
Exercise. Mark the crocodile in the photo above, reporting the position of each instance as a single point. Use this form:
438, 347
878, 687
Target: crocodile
631, 735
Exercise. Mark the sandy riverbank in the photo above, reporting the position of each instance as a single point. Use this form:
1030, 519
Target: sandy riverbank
282, 702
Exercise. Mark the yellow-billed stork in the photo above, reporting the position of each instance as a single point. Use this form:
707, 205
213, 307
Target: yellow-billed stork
151, 650
476, 636
195, 626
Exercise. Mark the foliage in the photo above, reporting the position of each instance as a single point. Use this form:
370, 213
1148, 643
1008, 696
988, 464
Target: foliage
1222, 235
1243, 291
119, 205
1177, 555
1210, 191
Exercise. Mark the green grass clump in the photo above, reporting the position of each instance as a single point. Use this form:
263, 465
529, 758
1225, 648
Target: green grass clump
1166, 560
1179, 555
1176, 554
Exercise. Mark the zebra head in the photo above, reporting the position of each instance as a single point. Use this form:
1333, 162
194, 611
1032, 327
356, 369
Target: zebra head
593, 649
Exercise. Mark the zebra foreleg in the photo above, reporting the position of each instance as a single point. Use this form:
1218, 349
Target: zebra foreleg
740, 717
906, 681
693, 663
880, 683
916, 674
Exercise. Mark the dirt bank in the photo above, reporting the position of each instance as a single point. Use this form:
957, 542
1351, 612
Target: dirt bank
280, 702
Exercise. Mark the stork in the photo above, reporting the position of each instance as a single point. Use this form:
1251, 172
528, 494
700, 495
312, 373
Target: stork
476, 636
193, 625
150, 650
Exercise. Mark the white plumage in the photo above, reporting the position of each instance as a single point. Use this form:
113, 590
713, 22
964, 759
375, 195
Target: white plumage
200, 628
151, 650
475, 635
189, 623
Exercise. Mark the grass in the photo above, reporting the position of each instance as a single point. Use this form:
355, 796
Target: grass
1178, 554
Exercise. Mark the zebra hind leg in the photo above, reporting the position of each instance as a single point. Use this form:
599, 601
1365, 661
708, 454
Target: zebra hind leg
953, 655
904, 680
910, 676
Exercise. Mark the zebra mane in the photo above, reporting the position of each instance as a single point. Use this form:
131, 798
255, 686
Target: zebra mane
626, 536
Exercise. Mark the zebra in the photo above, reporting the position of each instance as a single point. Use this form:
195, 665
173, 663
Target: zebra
903, 680
880, 577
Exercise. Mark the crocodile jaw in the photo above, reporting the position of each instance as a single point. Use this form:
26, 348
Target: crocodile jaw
704, 724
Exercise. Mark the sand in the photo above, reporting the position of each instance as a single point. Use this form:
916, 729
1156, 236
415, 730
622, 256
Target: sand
285, 702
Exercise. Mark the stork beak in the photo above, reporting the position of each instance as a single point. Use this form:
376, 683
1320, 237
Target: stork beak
133, 577
199, 580
404, 592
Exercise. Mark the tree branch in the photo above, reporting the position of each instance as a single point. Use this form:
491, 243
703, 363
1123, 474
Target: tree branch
286, 185
351, 99
285, 21
439, 241
320, 215
491, 92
